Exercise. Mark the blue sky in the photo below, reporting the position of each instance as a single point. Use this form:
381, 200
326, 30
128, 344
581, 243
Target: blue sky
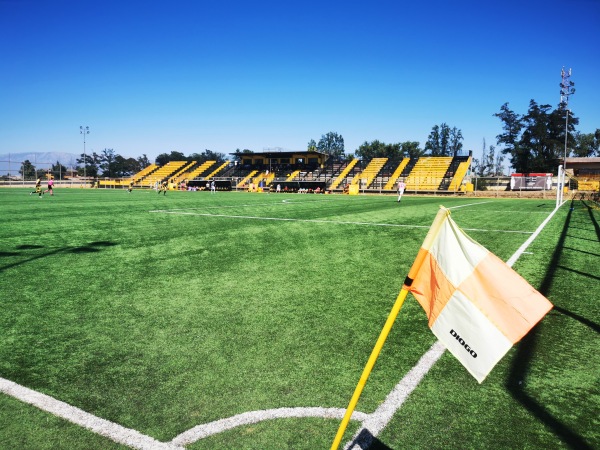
153, 77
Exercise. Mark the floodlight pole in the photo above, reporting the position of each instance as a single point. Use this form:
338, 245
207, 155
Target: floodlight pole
566, 89
84, 131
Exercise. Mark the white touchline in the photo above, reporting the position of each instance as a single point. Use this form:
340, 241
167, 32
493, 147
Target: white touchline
106, 428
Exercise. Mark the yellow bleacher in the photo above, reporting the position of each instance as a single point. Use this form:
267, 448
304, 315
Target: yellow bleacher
217, 170
392, 181
245, 180
370, 171
163, 172
178, 176
142, 173
459, 175
196, 172
293, 175
428, 173
342, 175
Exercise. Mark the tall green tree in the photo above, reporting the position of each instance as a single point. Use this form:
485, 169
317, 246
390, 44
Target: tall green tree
411, 149
27, 170
543, 137
162, 159
587, 144
58, 170
143, 161
91, 163
378, 149
107, 163
444, 141
312, 146
512, 125
332, 144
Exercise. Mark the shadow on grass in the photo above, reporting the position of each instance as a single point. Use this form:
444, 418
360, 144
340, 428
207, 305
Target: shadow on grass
366, 441
593, 219
90, 247
525, 350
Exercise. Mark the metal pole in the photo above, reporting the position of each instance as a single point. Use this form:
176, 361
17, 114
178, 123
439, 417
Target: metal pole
84, 131
558, 189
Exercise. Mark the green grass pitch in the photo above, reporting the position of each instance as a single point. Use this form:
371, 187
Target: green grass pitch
162, 313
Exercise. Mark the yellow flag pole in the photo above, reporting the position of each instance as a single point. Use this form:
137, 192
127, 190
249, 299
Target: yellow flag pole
441, 216
367, 370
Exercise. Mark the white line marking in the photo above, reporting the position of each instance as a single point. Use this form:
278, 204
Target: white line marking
513, 259
335, 222
469, 204
201, 431
106, 428
378, 420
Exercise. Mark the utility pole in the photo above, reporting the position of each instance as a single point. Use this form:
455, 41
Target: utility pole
84, 131
566, 90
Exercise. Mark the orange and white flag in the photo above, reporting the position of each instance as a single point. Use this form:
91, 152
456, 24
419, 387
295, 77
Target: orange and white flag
478, 307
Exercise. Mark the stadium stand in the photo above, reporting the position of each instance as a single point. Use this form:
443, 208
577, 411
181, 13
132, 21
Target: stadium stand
163, 172
370, 172
397, 173
428, 173
244, 180
459, 175
217, 170
293, 175
198, 171
343, 175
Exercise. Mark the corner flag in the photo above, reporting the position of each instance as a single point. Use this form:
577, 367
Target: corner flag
478, 307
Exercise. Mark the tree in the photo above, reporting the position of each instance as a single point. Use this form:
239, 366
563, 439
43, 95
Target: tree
542, 142
455, 145
143, 161
411, 149
332, 144
177, 156
162, 159
58, 170
312, 146
378, 149
125, 167
512, 126
27, 170
433, 144
587, 144
209, 155
444, 141
107, 162
90, 163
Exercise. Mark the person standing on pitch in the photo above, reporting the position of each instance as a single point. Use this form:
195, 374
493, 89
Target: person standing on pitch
130, 187
50, 186
163, 188
38, 187
401, 187
212, 187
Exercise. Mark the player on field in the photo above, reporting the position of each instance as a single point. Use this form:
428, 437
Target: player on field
401, 187
50, 186
38, 187
163, 188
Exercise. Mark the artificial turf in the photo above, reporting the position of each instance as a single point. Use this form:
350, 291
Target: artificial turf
160, 313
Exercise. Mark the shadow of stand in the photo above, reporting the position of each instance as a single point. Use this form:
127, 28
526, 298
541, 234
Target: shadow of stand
518, 372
